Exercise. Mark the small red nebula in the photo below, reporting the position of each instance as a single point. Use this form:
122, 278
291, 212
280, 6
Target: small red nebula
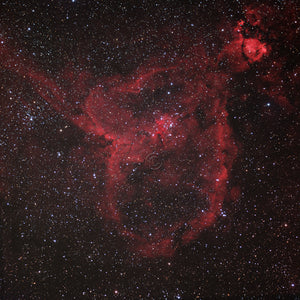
254, 50
235, 193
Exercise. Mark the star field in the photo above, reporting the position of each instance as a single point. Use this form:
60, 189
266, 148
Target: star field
149, 149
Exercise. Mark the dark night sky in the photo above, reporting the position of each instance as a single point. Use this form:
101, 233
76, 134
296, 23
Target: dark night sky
55, 242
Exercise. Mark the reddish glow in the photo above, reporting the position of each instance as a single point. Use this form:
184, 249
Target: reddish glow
170, 149
254, 50
246, 47
173, 133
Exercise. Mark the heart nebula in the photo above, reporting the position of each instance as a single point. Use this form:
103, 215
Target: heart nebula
168, 150
170, 155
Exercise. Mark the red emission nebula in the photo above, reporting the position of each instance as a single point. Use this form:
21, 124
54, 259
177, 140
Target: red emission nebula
168, 147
